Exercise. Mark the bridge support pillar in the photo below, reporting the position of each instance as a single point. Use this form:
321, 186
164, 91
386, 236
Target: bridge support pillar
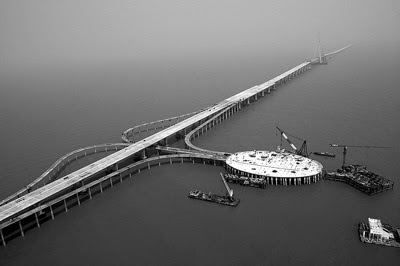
2, 237
262, 93
20, 227
51, 212
37, 220
248, 101
77, 197
269, 90
256, 97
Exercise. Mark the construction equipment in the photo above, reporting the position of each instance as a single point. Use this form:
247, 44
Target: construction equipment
303, 149
355, 146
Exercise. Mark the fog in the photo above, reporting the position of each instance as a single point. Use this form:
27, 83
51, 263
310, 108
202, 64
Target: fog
50, 33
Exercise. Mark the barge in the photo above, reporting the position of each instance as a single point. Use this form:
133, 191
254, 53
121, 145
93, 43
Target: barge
225, 200
246, 181
376, 232
323, 153
359, 177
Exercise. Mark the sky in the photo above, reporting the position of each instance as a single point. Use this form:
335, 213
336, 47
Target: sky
48, 33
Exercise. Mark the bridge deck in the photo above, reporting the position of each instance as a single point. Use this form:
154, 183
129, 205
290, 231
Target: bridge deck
13, 208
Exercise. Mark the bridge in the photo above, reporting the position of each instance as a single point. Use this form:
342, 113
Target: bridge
32, 206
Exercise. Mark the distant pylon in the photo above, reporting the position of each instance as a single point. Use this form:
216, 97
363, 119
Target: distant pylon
318, 53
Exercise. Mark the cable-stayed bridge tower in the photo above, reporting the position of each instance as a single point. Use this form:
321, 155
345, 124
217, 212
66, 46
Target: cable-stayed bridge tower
318, 58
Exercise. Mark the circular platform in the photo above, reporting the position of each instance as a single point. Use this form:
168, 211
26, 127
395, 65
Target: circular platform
282, 166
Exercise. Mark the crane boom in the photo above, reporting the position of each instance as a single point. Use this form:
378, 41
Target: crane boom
356, 146
287, 139
302, 151
361, 146
228, 189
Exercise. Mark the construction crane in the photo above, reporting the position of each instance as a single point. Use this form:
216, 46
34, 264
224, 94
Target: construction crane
303, 149
355, 146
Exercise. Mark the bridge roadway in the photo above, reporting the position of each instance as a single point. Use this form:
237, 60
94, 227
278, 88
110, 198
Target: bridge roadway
12, 209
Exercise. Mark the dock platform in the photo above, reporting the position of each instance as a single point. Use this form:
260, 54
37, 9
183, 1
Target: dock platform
359, 177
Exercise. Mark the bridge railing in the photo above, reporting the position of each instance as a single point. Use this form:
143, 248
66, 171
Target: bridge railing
133, 134
216, 119
41, 211
51, 173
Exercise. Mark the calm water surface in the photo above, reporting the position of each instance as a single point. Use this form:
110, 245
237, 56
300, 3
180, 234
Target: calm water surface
148, 219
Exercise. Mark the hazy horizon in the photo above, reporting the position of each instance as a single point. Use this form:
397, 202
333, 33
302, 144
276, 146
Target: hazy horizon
47, 34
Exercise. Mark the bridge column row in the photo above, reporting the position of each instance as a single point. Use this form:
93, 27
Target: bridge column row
295, 181
153, 126
216, 121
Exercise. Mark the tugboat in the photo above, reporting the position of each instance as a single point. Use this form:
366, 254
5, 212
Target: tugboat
375, 232
324, 153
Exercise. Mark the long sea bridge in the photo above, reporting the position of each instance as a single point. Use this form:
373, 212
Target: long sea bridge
47, 195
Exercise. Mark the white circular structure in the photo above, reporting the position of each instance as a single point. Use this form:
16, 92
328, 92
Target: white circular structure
276, 167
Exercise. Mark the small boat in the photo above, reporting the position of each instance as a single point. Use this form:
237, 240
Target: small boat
322, 153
